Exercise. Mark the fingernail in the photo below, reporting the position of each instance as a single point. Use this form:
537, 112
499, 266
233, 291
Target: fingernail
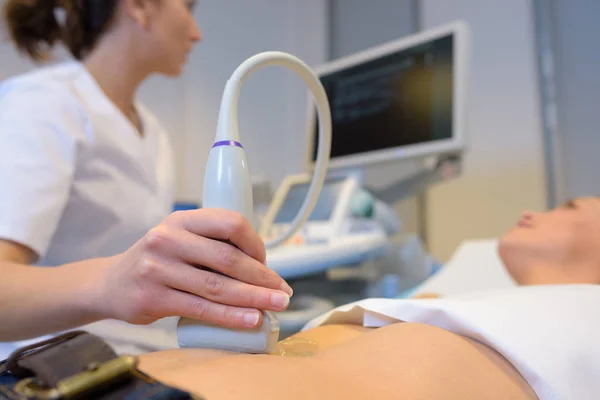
280, 300
287, 288
251, 319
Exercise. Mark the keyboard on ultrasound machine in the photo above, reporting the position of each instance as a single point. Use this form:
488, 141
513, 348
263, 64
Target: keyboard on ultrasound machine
307, 254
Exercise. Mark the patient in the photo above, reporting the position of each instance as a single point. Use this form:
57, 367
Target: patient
403, 360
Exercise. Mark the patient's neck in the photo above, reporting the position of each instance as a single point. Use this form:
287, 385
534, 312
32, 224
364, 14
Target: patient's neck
552, 274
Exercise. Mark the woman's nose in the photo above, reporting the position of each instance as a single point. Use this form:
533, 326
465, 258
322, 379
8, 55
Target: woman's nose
527, 215
526, 219
196, 33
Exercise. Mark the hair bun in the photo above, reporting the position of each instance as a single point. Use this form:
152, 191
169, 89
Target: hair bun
32, 25
36, 25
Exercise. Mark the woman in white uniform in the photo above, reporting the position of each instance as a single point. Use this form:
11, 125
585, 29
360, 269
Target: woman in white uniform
87, 187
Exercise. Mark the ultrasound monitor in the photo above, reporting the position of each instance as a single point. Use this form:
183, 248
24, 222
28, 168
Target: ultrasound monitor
324, 208
400, 100
328, 215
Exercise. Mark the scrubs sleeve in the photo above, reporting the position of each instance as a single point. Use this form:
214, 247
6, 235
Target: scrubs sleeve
41, 129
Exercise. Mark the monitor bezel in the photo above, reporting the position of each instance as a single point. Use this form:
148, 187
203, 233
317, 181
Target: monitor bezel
457, 143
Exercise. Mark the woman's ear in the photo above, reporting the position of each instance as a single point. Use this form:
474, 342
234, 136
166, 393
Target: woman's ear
139, 10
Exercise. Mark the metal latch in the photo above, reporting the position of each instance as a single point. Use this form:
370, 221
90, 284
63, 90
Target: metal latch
94, 377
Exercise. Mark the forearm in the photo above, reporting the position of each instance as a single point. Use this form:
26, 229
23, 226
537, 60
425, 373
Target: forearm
35, 301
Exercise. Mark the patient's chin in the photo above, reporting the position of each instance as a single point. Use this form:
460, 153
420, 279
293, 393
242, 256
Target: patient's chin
513, 257
505, 248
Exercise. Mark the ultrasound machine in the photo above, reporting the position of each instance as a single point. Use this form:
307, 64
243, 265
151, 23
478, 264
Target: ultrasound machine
398, 126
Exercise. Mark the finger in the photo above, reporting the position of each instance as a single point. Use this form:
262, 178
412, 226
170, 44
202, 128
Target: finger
225, 258
224, 225
190, 306
222, 289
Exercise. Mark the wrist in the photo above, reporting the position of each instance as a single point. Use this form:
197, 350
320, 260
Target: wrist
35, 301
89, 294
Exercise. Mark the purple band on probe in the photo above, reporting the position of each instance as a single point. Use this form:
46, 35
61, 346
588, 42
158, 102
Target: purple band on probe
228, 143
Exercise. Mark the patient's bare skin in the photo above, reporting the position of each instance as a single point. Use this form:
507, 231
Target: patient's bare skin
427, 296
399, 361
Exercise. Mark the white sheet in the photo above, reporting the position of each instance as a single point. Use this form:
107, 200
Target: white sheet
549, 333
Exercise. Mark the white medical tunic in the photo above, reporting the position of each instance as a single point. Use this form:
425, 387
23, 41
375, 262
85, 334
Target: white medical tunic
78, 181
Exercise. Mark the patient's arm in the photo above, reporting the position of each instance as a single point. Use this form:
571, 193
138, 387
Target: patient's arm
399, 361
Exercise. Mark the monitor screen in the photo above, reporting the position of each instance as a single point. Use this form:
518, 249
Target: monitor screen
324, 208
399, 99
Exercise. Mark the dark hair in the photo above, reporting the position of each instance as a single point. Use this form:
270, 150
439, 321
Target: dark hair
35, 29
